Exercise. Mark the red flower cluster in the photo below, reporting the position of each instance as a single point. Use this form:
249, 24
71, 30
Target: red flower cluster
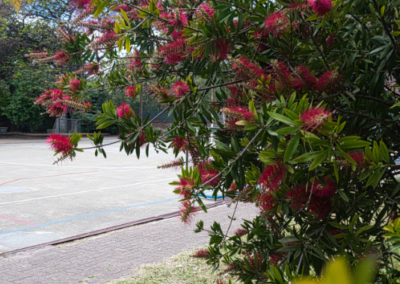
321, 190
142, 140
358, 157
52, 100
221, 50
179, 144
60, 144
92, 68
204, 253
107, 39
266, 202
179, 89
239, 113
272, 176
124, 110
247, 70
320, 202
328, 81
80, 4
241, 232
306, 76
314, 117
208, 173
74, 84
205, 11
61, 57
130, 91
174, 52
277, 23
321, 7
185, 187
187, 209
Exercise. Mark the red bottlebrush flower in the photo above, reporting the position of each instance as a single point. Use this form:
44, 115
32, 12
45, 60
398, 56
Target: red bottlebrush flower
123, 7
330, 41
92, 68
80, 4
247, 70
207, 9
306, 76
283, 74
187, 209
203, 253
179, 144
266, 202
321, 190
255, 265
177, 35
178, 20
179, 89
130, 91
185, 188
59, 143
208, 173
321, 7
272, 176
174, 164
358, 157
142, 140
239, 113
298, 197
314, 117
61, 57
241, 232
74, 85
107, 39
124, 110
277, 23
328, 81
277, 257
320, 207
174, 52
87, 105
233, 187
221, 50
297, 7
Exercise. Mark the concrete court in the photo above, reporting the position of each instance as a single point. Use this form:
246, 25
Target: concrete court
41, 202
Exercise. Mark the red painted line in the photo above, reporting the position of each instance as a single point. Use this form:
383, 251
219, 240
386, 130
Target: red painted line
16, 220
47, 177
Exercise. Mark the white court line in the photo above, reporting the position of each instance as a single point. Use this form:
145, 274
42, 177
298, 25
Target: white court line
89, 167
58, 195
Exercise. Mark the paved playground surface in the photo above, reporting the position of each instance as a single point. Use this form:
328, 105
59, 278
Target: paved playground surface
41, 202
116, 254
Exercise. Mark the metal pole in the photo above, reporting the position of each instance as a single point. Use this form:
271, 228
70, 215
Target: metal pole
141, 105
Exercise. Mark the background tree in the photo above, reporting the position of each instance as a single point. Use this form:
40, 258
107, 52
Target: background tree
311, 133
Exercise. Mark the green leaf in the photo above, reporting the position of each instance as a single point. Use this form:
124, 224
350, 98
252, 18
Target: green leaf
291, 148
362, 229
364, 272
318, 160
287, 130
306, 157
105, 124
281, 118
384, 151
343, 196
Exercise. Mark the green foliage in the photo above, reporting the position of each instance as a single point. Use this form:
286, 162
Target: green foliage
314, 150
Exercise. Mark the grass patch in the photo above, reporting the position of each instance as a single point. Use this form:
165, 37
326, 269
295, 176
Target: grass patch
181, 268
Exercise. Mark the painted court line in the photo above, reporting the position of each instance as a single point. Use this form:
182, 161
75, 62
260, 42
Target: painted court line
79, 192
89, 215
16, 220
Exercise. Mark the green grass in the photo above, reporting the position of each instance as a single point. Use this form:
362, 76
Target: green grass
180, 269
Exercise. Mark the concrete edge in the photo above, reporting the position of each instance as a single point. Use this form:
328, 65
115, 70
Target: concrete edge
109, 229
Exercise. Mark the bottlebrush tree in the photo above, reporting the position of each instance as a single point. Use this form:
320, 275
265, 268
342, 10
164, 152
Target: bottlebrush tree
310, 134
